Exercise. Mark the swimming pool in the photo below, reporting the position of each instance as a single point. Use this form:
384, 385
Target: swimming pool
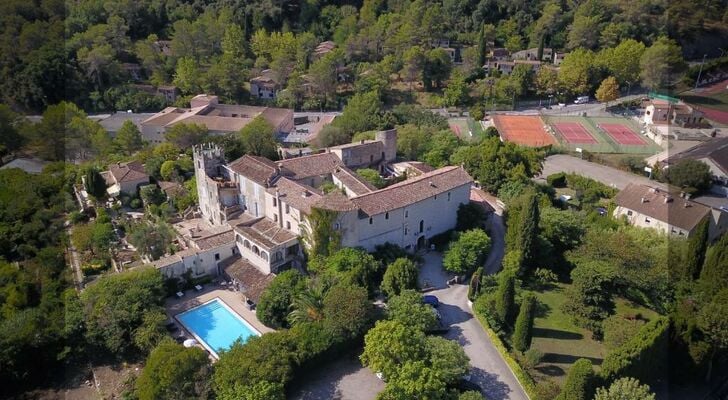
216, 326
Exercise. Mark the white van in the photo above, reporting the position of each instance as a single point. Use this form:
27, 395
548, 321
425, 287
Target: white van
581, 100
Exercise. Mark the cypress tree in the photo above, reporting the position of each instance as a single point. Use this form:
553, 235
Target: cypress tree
95, 184
504, 302
524, 324
528, 233
579, 382
540, 48
714, 274
481, 46
697, 245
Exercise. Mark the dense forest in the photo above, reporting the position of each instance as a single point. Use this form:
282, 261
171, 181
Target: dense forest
86, 51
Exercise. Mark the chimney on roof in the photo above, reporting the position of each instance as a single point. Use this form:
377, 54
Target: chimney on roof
432, 184
687, 195
667, 199
686, 204
643, 200
305, 193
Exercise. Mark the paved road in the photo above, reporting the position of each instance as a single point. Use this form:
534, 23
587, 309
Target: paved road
607, 175
488, 370
497, 232
344, 379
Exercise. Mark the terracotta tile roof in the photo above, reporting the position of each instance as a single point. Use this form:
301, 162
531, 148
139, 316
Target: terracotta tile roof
171, 188
412, 190
662, 206
215, 240
309, 166
218, 117
352, 181
335, 201
277, 116
361, 153
252, 281
164, 117
716, 150
128, 171
258, 169
292, 193
266, 233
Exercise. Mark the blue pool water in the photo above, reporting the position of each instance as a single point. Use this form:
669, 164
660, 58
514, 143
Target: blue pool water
216, 325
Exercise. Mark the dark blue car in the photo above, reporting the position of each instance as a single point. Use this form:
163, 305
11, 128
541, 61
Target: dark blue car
431, 300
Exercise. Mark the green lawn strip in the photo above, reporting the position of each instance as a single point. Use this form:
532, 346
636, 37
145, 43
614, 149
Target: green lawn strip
561, 342
527, 383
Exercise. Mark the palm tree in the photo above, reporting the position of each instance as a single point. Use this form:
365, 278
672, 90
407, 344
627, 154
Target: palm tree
308, 305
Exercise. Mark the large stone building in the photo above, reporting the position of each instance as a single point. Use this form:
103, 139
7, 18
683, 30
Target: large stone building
260, 208
217, 118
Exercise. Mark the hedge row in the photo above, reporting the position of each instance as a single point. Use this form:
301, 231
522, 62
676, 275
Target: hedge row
525, 380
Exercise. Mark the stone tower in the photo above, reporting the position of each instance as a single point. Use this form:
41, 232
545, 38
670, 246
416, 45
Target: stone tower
208, 160
389, 138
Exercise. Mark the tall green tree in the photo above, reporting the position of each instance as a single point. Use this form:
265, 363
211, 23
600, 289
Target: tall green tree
528, 234
95, 184
695, 250
505, 297
714, 275
173, 371
577, 71
408, 308
128, 139
10, 137
273, 307
662, 64
608, 90
400, 275
689, 174
258, 138
524, 324
713, 322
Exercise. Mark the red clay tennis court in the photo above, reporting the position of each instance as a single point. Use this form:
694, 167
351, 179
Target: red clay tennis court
524, 130
622, 134
574, 132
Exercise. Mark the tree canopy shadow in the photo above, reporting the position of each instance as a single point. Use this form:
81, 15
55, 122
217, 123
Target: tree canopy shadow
567, 359
556, 334
551, 370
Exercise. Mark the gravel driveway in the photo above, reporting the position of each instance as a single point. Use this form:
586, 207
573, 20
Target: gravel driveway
489, 370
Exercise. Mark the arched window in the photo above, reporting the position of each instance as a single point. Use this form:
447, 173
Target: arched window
422, 226
256, 250
278, 256
371, 220
386, 215
264, 255
246, 244
288, 225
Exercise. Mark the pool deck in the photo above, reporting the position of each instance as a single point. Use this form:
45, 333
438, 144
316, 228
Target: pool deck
232, 299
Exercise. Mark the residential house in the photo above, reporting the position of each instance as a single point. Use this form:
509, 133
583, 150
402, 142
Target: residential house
218, 118
532, 54
533, 64
650, 207
500, 54
714, 153
559, 58
125, 178
322, 49
665, 112
264, 86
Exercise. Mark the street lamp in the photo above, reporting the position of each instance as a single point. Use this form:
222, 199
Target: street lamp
700, 72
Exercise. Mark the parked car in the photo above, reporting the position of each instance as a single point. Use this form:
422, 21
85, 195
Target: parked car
601, 210
581, 100
431, 300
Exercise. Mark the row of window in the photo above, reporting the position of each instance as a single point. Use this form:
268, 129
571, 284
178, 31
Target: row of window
277, 256
406, 212
275, 204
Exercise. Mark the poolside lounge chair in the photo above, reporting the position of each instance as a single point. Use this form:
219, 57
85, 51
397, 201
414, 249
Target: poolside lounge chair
198, 288
180, 294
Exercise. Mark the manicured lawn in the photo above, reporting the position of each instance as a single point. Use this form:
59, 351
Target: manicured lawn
562, 342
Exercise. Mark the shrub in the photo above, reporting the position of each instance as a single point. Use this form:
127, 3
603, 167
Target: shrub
474, 287
618, 330
546, 390
468, 252
545, 277
135, 203
639, 356
557, 180
273, 307
579, 381
625, 389
531, 358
